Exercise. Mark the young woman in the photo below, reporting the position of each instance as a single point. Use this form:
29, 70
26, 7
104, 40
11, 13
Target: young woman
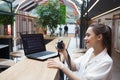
96, 63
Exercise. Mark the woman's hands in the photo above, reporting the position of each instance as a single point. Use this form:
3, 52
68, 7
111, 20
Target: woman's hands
61, 47
52, 63
55, 64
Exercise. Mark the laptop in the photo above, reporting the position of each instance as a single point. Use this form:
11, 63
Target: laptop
34, 47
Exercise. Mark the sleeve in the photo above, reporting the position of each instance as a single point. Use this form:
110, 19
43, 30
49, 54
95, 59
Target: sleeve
99, 72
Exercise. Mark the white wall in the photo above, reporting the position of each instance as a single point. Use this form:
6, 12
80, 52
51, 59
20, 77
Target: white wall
110, 15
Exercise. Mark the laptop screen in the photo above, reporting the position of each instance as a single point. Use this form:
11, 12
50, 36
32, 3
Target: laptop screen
33, 43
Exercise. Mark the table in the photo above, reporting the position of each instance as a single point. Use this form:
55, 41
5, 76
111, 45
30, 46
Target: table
4, 51
29, 69
7, 40
3, 46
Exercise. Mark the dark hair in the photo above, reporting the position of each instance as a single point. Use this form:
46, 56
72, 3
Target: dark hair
106, 33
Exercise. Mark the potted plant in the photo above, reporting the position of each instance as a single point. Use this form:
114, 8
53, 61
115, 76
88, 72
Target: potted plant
51, 15
5, 20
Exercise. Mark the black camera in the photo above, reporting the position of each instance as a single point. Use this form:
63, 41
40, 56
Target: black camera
60, 45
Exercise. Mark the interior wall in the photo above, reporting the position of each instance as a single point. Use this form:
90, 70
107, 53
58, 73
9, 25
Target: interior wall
109, 16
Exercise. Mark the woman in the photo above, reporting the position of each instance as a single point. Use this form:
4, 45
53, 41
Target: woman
96, 64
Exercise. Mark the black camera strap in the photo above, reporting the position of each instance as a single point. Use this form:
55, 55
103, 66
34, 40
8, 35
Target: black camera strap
59, 55
69, 65
69, 60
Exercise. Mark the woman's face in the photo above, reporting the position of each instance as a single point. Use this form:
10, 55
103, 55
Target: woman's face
90, 38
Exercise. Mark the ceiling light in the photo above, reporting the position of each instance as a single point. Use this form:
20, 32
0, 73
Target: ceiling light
91, 7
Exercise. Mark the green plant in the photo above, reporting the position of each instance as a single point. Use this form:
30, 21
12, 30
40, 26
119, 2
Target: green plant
5, 19
50, 15
62, 14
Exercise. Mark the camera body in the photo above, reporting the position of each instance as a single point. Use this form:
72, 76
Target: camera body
60, 45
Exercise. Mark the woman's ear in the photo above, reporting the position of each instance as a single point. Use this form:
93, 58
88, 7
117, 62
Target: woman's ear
99, 37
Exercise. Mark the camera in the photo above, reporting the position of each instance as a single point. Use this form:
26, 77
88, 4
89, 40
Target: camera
60, 45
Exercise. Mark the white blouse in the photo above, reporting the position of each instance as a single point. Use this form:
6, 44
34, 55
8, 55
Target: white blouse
98, 68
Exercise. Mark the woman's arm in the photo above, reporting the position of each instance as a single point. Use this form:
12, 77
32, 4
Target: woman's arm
64, 51
59, 65
69, 73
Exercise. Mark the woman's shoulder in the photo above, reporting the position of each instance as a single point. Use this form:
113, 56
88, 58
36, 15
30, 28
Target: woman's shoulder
108, 58
105, 57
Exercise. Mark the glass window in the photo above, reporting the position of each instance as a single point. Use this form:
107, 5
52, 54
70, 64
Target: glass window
4, 6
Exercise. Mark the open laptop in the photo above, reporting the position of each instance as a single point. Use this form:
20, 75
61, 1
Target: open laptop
34, 47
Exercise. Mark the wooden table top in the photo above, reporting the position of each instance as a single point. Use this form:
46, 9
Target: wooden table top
29, 69
5, 36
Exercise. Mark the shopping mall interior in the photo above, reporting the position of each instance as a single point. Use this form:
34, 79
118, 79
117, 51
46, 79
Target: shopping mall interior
49, 17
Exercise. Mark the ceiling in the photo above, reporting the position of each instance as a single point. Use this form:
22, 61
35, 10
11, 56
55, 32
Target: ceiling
29, 5
72, 7
101, 7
